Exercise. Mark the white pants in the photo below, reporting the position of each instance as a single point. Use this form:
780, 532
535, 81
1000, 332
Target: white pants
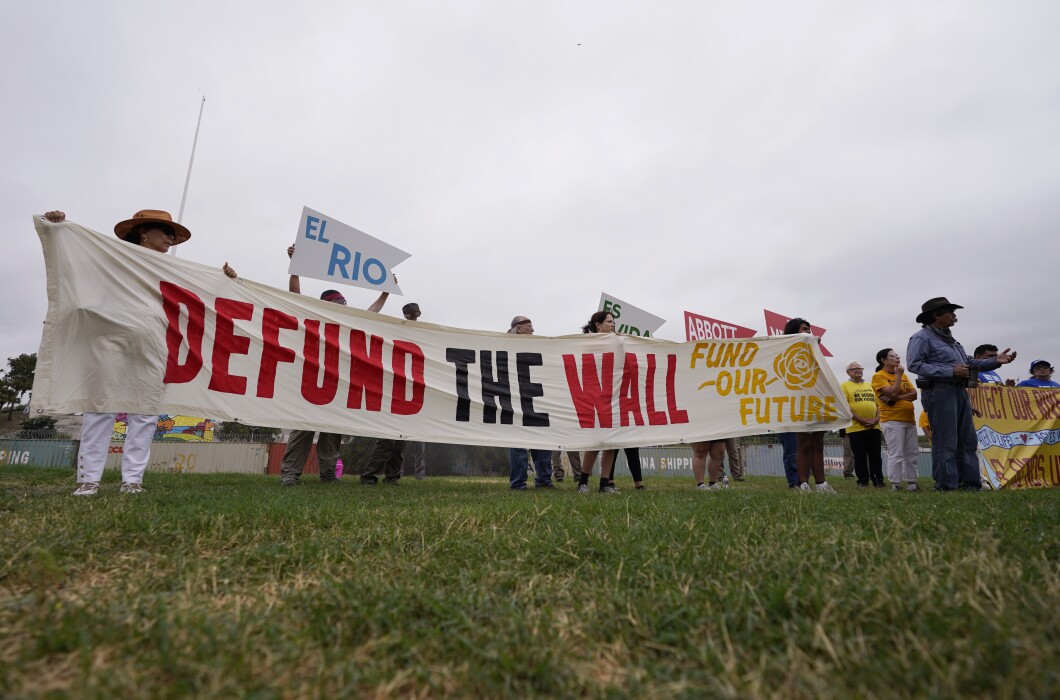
902, 450
95, 443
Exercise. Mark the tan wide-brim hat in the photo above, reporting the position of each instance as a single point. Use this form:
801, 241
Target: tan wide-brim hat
152, 216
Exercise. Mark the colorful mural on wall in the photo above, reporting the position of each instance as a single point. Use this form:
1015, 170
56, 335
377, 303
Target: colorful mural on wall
173, 428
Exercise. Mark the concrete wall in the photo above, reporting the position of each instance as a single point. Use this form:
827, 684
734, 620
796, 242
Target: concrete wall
261, 458
201, 458
758, 460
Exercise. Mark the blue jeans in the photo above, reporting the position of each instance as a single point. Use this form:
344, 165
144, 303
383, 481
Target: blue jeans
953, 442
788, 443
517, 467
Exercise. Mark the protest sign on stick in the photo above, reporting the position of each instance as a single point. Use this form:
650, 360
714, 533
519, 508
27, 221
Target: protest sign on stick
327, 249
775, 326
705, 328
629, 320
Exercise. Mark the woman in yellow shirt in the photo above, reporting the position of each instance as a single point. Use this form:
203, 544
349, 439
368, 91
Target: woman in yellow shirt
897, 421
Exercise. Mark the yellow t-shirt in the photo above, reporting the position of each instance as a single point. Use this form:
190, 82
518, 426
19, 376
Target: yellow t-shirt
901, 410
925, 424
862, 400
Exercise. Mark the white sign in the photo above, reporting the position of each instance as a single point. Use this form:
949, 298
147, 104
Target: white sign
629, 320
327, 249
131, 330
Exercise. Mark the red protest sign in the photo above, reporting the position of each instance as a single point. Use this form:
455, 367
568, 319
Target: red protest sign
775, 326
705, 328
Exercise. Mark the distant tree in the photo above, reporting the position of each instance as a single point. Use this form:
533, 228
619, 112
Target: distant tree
8, 396
40, 423
19, 376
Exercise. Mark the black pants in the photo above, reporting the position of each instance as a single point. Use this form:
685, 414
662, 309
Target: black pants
868, 462
385, 460
633, 462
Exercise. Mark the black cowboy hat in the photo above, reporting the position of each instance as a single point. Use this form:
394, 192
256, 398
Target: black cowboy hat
929, 307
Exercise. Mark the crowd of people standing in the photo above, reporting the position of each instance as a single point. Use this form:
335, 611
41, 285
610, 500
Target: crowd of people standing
883, 411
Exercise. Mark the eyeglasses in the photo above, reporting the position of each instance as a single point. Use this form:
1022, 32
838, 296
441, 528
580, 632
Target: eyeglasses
856, 369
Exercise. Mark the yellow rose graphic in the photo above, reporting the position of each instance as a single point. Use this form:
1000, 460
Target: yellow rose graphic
797, 366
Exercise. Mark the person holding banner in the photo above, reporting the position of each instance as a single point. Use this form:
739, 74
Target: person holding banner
387, 456
300, 442
517, 463
154, 230
1041, 376
706, 457
809, 447
987, 351
945, 372
599, 322
732, 453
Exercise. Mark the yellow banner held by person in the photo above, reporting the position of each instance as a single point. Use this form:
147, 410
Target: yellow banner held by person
1019, 434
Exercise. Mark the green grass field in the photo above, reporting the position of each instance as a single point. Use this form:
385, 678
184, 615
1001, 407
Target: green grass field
229, 585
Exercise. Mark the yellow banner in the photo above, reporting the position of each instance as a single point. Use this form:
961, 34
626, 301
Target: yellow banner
1019, 435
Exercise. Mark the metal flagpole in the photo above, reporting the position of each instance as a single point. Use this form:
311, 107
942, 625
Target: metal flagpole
191, 161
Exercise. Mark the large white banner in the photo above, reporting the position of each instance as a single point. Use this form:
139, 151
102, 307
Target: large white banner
132, 330
327, 249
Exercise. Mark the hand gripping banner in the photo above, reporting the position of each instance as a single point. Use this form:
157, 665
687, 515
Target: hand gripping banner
136, 331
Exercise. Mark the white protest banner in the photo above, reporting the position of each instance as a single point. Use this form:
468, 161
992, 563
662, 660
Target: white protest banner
629, 320
327, 249
705, 328
132, 330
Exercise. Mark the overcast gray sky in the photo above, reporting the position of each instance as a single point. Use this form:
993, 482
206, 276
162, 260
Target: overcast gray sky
842, 161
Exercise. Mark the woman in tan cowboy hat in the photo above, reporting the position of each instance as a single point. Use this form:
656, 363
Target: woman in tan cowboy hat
154, 230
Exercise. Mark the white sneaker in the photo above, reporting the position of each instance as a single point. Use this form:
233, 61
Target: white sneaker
89, 488
609, 489
583, 488
130, 487
703, 487
912, 486
804, 486
724, 481
825, 487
